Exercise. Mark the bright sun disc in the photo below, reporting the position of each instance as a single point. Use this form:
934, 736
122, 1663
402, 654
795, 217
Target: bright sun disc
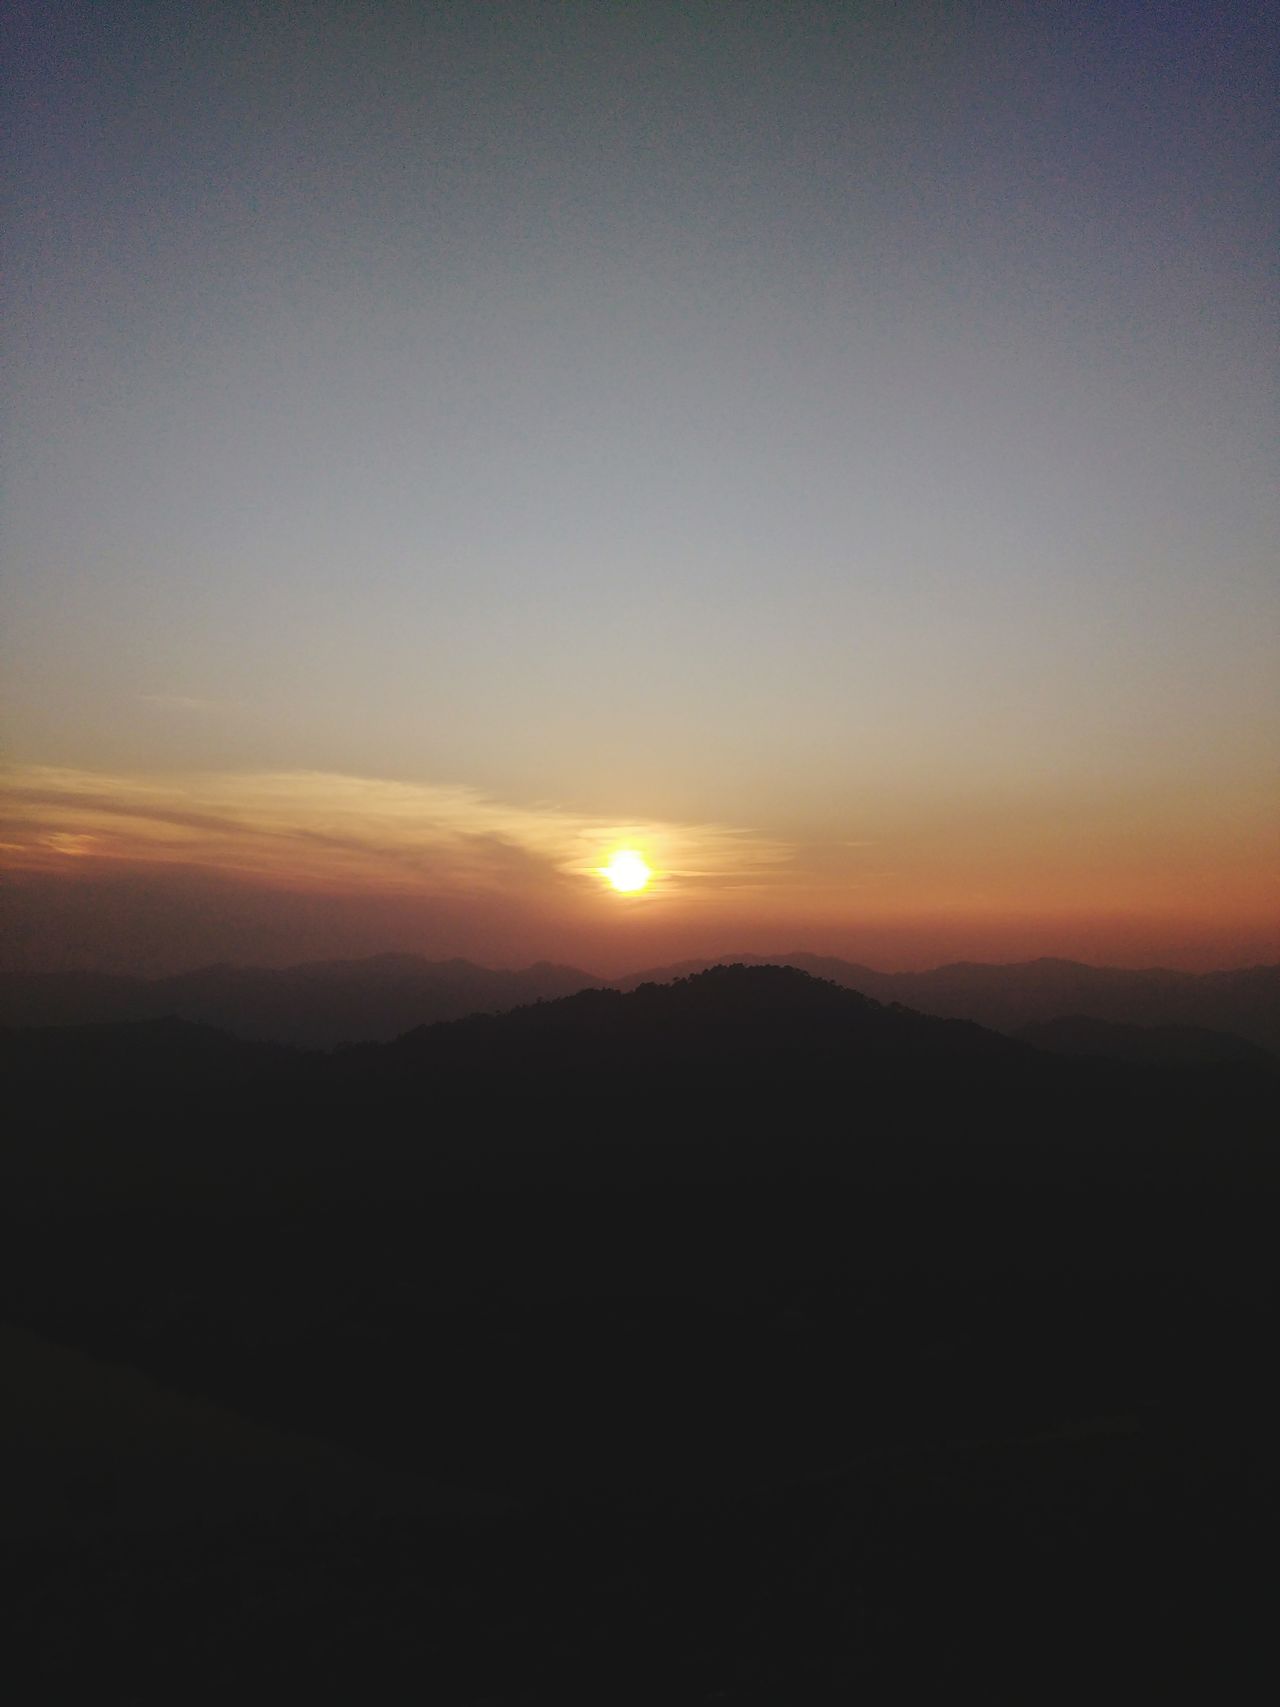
627, 872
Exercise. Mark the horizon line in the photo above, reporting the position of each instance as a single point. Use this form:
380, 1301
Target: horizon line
675, 968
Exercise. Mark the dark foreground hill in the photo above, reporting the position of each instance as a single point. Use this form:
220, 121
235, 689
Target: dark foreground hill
1144, 1045
755, 1340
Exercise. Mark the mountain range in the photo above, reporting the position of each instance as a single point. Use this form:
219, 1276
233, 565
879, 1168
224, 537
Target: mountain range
324, 1003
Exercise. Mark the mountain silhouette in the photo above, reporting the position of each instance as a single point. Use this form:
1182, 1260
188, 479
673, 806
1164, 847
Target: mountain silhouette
758, 1023
731, 1067
705, 1311
320, 1004
1245, 1001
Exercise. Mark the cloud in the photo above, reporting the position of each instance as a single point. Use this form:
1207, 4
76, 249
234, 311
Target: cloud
328, 830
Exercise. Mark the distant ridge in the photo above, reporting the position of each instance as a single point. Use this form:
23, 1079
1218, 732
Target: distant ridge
316, 1005
321, 1004
1009, 997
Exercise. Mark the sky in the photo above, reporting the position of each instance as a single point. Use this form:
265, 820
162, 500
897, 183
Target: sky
827, 448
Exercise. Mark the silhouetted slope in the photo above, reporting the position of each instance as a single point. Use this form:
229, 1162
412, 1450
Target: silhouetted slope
727, 1026
1156, 1045
735, 1069
844, 972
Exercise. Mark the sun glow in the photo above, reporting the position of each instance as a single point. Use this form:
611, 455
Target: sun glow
627, 871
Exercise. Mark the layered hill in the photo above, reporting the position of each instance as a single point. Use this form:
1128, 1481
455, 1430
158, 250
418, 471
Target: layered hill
315, 1005
1244, 1001
321, 1004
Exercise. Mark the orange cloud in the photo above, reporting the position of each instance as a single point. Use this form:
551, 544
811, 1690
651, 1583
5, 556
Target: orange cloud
324, 830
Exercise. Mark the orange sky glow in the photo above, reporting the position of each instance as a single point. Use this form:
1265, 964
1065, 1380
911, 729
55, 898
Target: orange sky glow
827, 452
451, 870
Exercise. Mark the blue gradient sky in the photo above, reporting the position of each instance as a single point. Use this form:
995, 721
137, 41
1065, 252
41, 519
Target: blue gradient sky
844, 430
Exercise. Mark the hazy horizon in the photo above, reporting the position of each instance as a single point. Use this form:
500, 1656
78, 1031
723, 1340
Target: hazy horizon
55, 927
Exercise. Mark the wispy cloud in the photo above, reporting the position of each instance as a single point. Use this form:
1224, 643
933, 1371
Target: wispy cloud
325, 829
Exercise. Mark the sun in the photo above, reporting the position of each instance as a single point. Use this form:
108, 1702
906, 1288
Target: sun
627, 871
